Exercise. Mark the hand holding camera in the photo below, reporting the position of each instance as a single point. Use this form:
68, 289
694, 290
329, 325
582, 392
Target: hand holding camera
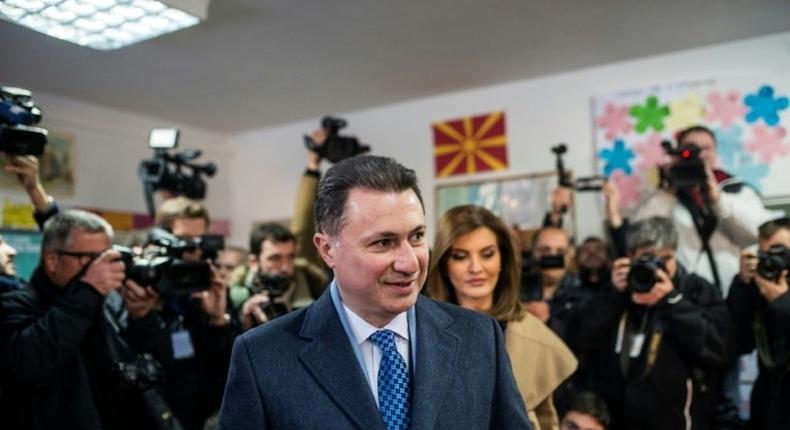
748, 266
252, 313
106, 273
139, 300
661, 288
214, 301
644, 277
318, 138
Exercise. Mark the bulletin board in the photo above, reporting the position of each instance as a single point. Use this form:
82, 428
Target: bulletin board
521, 201
748, 113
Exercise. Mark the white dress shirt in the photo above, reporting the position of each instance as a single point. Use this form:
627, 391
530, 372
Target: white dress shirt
371, 354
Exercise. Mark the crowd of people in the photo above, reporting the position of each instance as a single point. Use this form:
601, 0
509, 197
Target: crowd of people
346, 318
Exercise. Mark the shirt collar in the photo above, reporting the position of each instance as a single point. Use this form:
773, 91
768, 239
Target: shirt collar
362, 329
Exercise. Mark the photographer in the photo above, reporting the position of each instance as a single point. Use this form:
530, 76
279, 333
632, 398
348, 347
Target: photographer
730, 209
287, 257
280, 282
190, 335
760, 308
51, 334
663, 335
553, 293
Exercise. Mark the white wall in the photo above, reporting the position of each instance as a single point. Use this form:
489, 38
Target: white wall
540, 112
109, 145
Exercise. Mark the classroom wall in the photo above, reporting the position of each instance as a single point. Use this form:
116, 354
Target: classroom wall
266, 163
108, 147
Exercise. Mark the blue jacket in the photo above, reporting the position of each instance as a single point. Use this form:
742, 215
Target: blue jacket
300, 372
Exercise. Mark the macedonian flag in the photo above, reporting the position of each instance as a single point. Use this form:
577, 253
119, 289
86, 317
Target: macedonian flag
469, 145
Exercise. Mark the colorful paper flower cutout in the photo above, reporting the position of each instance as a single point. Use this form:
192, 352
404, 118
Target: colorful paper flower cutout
764, 105
750, 172
629, 187
729, 145
650, 152
649, 115
767, 142
684, 112
617, 158
615, 121
725, 109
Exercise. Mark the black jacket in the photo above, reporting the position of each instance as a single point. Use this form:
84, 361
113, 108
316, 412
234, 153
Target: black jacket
695, 345
54, 364
770, 401
193, 386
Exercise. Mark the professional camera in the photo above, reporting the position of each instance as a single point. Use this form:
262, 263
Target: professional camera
773, 262
162, 266
276, 285
689, 169
18, 112
145, 374
176, 172
642, 275
587, 183
335, 147
551, 262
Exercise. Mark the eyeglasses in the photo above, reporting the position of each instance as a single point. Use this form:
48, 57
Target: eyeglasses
83, 257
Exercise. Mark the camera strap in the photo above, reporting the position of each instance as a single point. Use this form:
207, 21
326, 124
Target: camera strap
705, 222
630, 345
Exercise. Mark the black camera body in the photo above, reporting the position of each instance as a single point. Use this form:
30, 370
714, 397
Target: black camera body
276, 285
336, 147
689, 169
164, 268
175, 172
18, 112
140, 374
642, 276
773, 262
551, 262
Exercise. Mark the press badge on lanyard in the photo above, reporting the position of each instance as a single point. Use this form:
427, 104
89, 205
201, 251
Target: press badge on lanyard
182, 344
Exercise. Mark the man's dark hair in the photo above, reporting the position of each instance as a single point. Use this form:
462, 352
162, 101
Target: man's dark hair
769, 228
681, 136
364, 171
588, 403
270, 231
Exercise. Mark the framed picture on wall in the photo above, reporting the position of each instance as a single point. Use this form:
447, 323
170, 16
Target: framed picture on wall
521, 201
56, 167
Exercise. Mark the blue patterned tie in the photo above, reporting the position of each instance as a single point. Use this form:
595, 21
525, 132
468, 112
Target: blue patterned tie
393, 382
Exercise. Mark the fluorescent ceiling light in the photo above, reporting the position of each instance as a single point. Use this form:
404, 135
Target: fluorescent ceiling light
104, 24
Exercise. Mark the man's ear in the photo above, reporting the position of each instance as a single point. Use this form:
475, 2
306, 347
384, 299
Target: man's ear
50, 262
326, 247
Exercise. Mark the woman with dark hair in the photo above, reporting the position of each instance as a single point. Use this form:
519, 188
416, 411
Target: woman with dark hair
475, 264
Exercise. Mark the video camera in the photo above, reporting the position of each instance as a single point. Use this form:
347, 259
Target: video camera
18, 112
335, 147
587, 183
773, 262
689, 169
642, 276
169, 172
163, 267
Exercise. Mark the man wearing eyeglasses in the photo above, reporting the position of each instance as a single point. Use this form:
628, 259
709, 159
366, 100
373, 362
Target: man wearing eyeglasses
52, 355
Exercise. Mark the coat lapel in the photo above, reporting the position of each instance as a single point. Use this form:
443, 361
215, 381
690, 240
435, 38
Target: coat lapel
437, 352
331, 361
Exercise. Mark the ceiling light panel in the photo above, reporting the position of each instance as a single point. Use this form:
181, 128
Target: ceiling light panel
102, 24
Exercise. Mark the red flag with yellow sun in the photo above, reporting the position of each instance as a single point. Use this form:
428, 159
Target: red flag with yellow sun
470, 145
